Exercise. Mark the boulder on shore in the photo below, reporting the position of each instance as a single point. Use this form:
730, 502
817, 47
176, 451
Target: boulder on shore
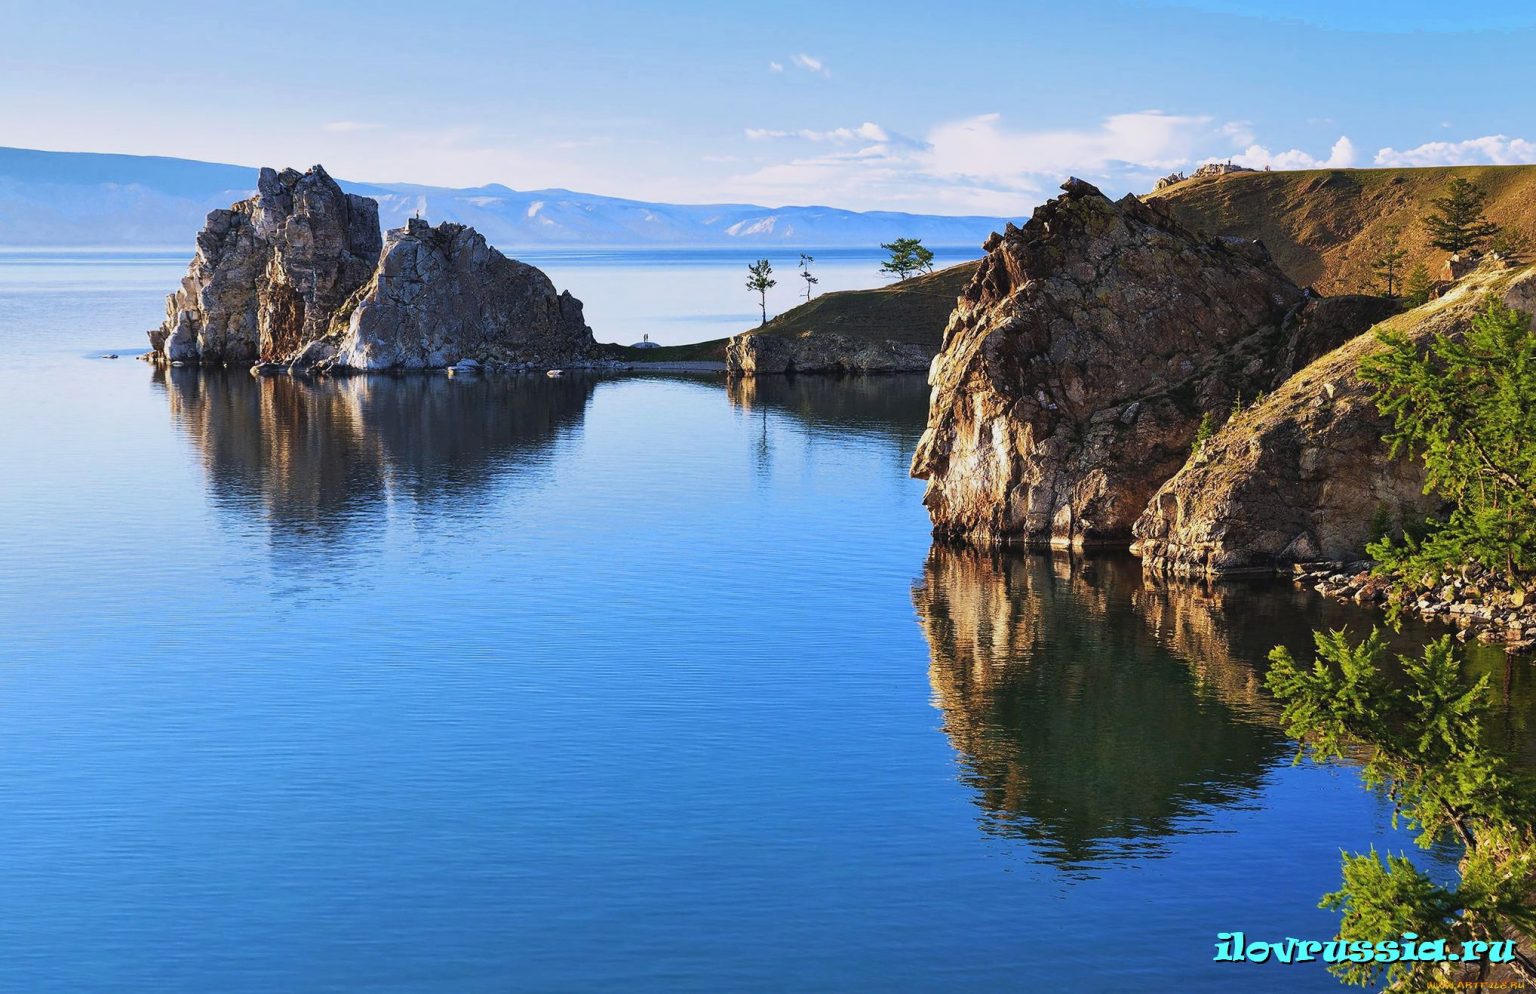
1079, 363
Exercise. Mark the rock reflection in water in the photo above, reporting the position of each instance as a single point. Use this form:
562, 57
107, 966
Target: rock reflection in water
894, 406
318, 456
1079, 728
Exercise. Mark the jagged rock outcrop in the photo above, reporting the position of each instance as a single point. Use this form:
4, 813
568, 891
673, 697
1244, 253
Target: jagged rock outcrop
1078, 364
269, 272
1304, 475
441, 295
299, 277
751, 354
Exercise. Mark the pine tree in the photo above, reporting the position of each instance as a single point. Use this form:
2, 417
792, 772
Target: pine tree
907, 257
1416, 286
1456, 224
805, 274
1422, 742
1387, 267
760, 281
1468, 408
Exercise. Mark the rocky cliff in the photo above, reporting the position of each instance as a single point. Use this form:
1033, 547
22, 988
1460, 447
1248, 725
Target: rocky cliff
890, 329
269, 271
298, 277
1079, 362
441, 295
1304, 475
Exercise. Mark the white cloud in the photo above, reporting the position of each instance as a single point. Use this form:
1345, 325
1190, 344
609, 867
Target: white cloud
1340, 156
810, 64
350, 126
867, 131
1490, 150
775, 66
982, 165
982, 147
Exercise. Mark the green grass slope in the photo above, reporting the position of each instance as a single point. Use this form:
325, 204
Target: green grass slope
1324, 226
914, 310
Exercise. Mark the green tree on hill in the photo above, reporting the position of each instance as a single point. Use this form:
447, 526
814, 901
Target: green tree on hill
907, 257
805, 274
760, 280
1423, 746
1416, 286
1387, 268
1456, 222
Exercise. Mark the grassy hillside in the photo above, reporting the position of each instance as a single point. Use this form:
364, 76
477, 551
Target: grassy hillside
1324, 226
914, 310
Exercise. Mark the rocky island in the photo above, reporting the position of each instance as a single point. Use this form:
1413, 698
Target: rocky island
298, 278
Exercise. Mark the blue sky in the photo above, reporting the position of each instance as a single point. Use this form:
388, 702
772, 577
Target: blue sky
977, 107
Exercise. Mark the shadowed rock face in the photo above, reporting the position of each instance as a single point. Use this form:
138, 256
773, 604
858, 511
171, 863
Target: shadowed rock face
269, 272
1078, 363
1304, 475
441, 295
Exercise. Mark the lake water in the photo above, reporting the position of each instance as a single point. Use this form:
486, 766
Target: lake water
630, 684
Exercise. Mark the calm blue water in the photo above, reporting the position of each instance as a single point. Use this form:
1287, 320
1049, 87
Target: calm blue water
637, 684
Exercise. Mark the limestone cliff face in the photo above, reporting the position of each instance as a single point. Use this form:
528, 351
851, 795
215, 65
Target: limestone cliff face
750, 354
1304, 475
441, 295
1078, 363
298, 276
269, 272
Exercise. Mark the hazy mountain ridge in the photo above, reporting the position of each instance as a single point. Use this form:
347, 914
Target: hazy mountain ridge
91, 199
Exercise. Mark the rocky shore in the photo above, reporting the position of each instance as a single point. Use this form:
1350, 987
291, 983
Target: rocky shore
1475, 601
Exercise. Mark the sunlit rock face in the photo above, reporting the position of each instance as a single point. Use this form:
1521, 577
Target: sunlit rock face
441, 295
270, 271
1078, 363
298, 276
1081, 727
1304, 475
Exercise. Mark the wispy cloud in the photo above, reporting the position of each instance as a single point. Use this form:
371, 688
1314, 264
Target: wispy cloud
775, 66
810, 64
1490, 150
868, 131
350, 126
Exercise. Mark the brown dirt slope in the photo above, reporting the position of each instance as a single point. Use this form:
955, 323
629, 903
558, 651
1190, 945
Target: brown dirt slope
1323, 226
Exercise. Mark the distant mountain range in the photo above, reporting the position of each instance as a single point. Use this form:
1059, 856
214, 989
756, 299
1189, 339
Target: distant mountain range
87, 199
